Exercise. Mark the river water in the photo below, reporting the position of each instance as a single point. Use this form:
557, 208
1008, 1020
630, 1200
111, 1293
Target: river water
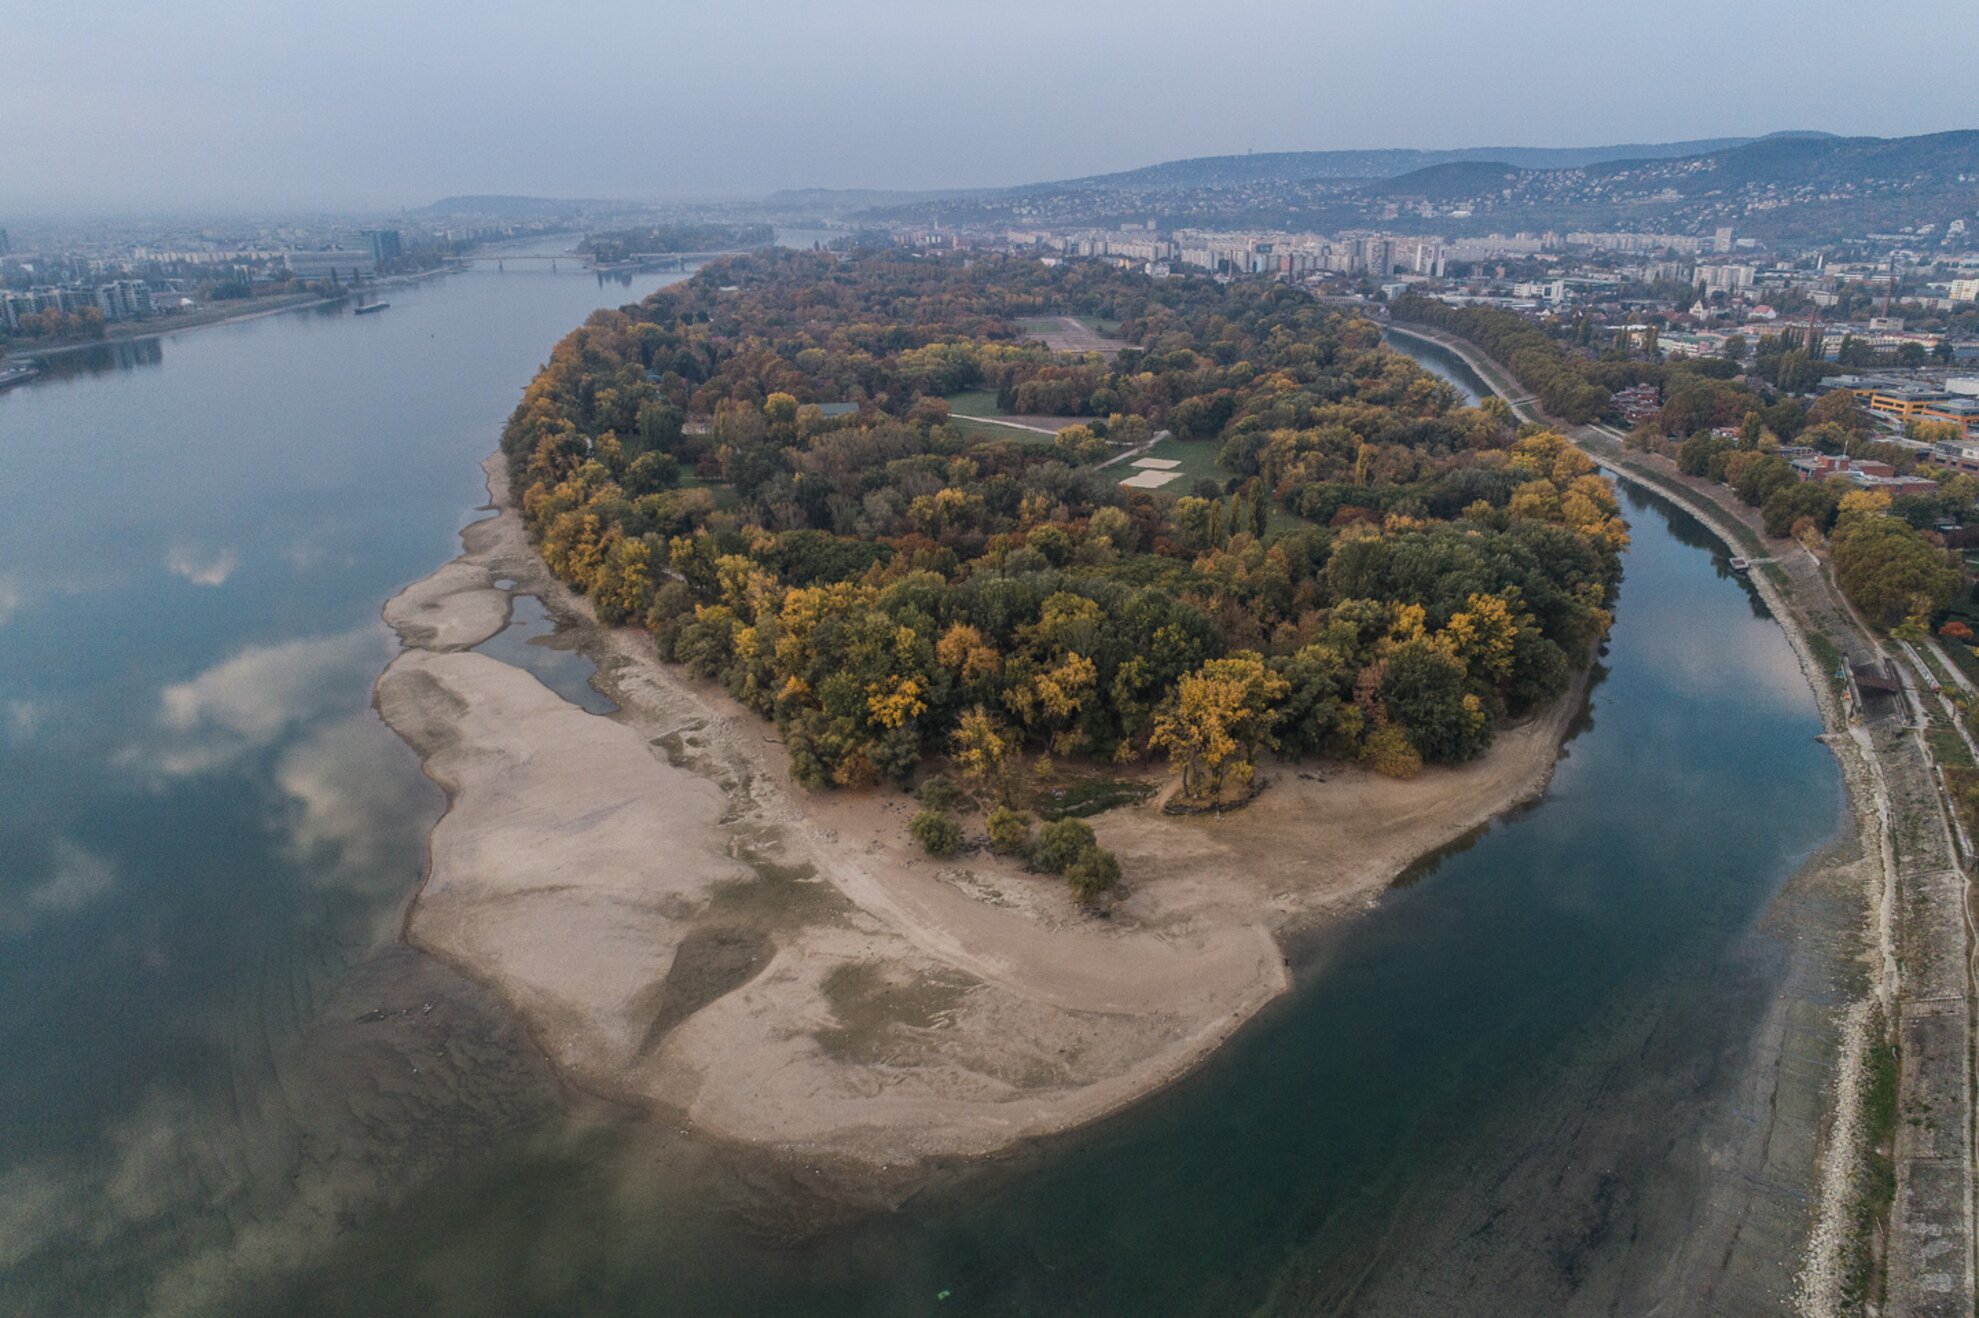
1516, 1085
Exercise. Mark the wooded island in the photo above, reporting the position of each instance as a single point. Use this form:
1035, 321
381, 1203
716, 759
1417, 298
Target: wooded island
761, 465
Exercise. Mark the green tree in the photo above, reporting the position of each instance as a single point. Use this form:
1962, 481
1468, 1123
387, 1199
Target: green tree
1009, 831
1092, 873
1061, 842
938, 834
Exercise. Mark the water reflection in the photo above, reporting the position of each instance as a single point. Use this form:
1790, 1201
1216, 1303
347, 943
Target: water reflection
210, 836
535, 642
1443, 364
100, 359
1544, 1026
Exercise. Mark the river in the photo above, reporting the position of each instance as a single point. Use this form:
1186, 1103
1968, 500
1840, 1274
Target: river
1544, 1073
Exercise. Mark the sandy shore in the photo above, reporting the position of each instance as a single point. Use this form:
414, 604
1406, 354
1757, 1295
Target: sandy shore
680, 927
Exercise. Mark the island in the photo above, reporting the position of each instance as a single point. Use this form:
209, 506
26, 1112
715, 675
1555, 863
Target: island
988, 712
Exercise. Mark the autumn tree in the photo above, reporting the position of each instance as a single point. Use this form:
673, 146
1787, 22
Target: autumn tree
1222, 714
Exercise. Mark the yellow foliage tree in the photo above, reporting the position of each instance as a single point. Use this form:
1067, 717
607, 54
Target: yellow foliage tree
982, 754
891, 703
963, 652
1220, 716
1390, 753
1481, 637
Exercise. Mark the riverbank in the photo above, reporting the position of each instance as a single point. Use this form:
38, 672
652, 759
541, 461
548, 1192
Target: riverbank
682, 928
1918, 949
213, 315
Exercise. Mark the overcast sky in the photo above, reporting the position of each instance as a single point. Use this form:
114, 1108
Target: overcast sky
121, 105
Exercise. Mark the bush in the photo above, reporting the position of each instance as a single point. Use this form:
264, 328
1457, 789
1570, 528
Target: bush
1060, 843
1009, 830
936, 832
940, 793
1092, 872
1390, 753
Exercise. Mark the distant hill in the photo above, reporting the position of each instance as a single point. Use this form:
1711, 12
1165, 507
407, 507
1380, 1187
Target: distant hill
1789, 159
843, 199
1225, 171
1788, 187
496, 206
1451, 182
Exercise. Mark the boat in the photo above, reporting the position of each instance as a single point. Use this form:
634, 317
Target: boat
1741, 565
368, 307
20, 373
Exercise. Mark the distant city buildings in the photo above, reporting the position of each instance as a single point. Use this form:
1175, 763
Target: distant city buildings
386, 246
1726, 278
337, 264
121, 299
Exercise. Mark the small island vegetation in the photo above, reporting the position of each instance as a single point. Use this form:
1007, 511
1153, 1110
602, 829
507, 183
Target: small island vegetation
1381, 576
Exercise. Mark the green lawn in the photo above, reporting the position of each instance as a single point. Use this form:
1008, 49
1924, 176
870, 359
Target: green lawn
973, 402
1037, 325
976, 428
1198, 459
967, 412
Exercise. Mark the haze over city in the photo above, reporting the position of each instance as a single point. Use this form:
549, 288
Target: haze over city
222, 105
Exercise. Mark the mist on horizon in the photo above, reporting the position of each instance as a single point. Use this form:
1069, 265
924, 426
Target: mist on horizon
369, 106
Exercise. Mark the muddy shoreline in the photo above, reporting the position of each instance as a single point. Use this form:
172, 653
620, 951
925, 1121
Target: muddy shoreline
796, 977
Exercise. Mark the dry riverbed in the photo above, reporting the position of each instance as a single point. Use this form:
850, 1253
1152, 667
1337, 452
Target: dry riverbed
682, 928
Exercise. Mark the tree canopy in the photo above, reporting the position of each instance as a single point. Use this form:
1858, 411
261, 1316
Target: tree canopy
1381, 572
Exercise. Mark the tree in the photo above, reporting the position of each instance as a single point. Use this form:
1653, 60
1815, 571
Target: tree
625, 582
1009, 831
1221, 715
1390, 753
1888, 569
1061, 842
981, 754
938, 835
939, 792
1423, 691
1092, 872
1838, 407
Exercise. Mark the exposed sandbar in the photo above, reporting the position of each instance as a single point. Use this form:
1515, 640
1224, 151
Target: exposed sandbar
681, 927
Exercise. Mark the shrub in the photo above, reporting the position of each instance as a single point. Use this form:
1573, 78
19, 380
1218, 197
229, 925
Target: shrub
1060, 843
1009, 830
1389, 752
940, 793
936, 832
1092, 872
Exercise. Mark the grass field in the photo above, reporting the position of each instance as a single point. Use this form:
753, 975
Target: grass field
976, 428
1198, 459
1036, 325
973, 402
969, 411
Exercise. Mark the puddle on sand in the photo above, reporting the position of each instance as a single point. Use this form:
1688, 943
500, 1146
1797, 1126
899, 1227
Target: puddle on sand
531, 642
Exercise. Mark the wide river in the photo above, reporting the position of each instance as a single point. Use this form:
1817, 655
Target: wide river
1571, 1065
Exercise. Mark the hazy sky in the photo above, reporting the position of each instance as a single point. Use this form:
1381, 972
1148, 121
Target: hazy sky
224, 104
